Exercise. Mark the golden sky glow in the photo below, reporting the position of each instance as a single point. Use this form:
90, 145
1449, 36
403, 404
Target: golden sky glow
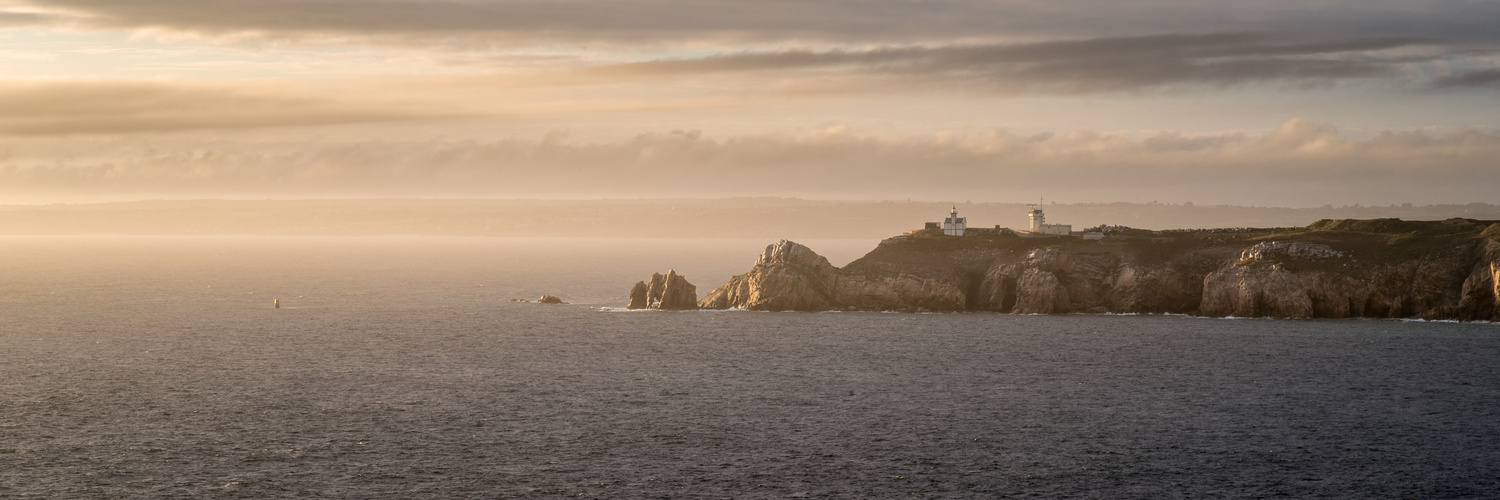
1277, 102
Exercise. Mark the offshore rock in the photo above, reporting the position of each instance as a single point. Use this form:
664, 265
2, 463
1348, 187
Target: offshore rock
640, 295
1383, 268
787, 277
669, 291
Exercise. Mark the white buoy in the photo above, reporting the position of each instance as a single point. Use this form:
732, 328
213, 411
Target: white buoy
276, 303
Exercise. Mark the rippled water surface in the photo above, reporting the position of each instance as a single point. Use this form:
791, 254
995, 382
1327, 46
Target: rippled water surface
155, 368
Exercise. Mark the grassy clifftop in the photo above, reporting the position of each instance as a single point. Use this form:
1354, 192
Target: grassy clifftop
1450, 227
1397, 232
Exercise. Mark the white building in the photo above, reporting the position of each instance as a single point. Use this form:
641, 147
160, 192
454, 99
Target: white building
954, 225
1039, 224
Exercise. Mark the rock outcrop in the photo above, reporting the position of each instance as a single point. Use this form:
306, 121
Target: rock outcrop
787, 277
1332, 269
1271, 251
669, 291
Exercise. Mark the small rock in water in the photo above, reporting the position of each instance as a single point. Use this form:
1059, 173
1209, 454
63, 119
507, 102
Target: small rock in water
550, 299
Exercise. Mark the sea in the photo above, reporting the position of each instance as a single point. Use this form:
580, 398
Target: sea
399, 367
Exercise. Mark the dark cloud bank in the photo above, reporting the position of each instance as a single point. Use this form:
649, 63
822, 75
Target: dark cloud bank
1077, 66
1000, 47
1481, 78
855, 20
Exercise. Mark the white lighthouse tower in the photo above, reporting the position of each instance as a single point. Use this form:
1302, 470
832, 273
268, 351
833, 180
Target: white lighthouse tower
954, 225
1039, 225
1038, 219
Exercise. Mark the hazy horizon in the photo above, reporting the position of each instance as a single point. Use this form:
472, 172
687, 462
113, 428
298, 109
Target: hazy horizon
764, 218
723, 199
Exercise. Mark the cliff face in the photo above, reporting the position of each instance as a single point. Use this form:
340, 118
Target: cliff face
1332, 269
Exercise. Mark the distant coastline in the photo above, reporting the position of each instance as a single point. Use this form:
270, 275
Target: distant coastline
762, 217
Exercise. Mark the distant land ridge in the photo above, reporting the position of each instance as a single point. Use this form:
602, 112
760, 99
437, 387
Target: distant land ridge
1378, 268
759, 218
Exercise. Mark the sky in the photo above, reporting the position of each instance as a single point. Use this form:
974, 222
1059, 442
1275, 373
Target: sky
1271, 103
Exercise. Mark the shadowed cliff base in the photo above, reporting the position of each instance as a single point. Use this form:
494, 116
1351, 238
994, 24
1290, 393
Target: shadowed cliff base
1381, 268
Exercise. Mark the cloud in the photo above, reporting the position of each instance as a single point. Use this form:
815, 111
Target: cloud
1071, 66
1470, 79
1298, 163
883, 47
71, 107
882, 21
12, 19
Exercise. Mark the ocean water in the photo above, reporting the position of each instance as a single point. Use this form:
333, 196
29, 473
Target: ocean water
134, 367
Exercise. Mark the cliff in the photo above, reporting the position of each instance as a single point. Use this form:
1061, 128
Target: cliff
1383, 268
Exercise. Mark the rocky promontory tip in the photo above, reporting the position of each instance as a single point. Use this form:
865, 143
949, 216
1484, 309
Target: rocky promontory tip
1384, 268
669, 291
787, 276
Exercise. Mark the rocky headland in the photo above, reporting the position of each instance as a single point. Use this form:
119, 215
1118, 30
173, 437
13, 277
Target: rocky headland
1381, 268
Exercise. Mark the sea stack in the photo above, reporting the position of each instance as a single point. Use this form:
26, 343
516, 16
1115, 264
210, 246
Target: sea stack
669, 291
